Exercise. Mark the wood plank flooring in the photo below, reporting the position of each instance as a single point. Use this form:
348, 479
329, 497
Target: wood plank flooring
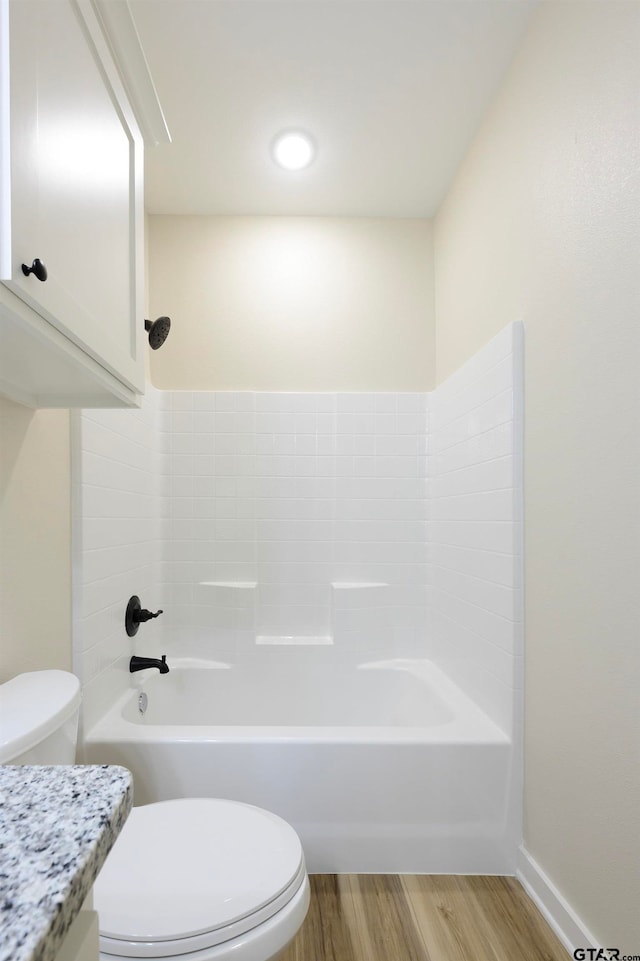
385, 917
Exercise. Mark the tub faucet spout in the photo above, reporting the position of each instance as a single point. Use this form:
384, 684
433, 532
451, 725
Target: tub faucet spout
141, 663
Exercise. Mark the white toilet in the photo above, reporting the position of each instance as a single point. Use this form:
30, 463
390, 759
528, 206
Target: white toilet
194, 879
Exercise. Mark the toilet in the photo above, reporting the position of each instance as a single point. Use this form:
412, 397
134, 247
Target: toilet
196, 879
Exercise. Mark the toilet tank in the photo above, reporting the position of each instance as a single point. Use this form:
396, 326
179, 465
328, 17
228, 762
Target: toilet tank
39, 718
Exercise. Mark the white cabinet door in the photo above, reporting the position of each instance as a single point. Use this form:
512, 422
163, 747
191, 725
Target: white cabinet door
74, 198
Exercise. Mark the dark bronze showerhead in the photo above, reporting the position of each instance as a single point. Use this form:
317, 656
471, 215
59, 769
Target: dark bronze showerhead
158, 331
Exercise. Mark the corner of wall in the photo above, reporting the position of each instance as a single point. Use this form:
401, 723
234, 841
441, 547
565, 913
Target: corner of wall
35, 572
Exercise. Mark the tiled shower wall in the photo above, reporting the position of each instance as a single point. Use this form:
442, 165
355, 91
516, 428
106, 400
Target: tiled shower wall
117, 540
296, 518
388, 524
476, 525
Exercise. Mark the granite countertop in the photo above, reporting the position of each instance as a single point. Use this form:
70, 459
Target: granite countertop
57, 825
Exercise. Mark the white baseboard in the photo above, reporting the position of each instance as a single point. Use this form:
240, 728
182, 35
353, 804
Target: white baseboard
556, 909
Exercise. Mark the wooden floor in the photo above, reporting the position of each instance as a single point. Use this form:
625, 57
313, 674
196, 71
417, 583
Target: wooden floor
386, 917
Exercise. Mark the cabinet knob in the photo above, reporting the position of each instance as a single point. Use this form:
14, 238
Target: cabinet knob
37, 268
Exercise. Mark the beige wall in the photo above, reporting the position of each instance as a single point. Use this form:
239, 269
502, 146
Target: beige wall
293, 303
541, 224
35, 551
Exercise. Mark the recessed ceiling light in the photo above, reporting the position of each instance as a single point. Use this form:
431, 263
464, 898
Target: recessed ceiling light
293, 150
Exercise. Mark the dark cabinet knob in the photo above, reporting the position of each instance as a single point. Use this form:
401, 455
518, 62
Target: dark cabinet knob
37, 268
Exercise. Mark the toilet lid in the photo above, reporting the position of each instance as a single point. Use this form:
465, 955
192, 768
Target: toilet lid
186, 868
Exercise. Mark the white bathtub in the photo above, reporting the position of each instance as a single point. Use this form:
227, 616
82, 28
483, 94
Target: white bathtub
381, 767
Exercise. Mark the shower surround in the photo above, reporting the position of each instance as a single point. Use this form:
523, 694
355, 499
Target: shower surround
272, 526
296, 519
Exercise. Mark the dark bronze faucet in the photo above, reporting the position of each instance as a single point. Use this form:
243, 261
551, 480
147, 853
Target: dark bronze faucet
142, 663
135, 615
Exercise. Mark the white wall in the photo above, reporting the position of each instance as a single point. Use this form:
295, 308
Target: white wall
541, 224
475, 527
117, 529
319, 515
293, 303
35, 554
280, 504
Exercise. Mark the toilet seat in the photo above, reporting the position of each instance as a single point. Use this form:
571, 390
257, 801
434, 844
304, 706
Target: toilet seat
189, 874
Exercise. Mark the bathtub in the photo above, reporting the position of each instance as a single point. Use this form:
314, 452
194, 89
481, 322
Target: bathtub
380, 767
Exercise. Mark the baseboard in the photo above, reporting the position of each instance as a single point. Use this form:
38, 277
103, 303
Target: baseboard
556, 909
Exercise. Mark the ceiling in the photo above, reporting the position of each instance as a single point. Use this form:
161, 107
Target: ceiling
392, 91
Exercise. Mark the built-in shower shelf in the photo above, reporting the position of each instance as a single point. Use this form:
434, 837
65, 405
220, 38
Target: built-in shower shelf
294, 639
234, 585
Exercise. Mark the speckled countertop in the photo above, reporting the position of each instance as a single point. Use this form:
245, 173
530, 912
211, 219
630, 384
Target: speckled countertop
57, 825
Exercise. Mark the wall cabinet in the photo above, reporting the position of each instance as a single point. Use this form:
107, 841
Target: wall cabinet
70, 197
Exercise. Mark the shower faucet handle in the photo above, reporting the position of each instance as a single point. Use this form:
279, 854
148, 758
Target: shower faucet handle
144, 615
135, 615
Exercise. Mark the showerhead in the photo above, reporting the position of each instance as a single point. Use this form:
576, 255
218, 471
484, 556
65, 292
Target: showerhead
158, 331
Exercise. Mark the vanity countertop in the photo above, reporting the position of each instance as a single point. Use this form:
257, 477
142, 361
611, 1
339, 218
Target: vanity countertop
57, 825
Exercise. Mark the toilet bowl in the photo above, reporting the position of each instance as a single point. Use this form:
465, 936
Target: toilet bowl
202, 880
195, 879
